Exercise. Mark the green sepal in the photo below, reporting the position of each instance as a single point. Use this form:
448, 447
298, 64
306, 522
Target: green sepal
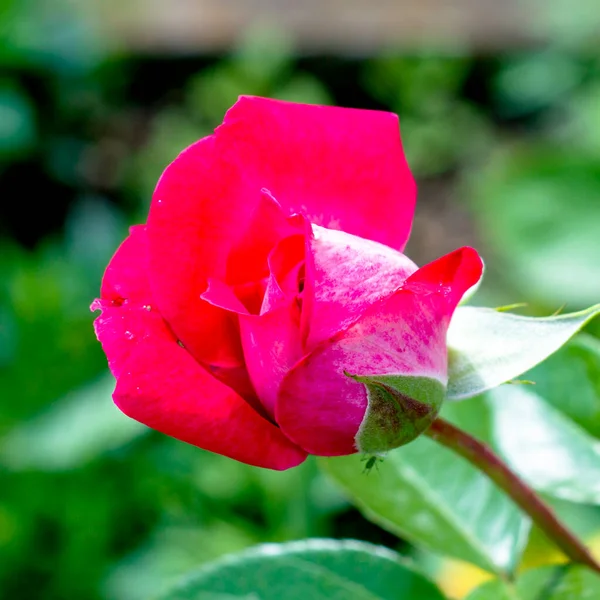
401, 407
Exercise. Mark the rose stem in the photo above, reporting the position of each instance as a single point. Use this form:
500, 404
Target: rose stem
482, 457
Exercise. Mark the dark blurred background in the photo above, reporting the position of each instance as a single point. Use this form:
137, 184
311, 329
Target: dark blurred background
500, 115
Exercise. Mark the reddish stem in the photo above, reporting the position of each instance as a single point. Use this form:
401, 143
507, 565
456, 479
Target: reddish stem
482, 457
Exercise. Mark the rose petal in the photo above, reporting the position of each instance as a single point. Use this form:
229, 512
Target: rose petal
247, 261
271, 336
125, 281
271, 339
272, 346
285, 262
112, 330
321, 408
126, 276
199, 210
343, 168
207, 222
125, 288
221, 295
161, 385
345, 275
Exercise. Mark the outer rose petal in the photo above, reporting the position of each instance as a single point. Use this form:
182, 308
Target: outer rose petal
161, 385
344, 168
200, 209
321, 408
125, 280
126, 276
345, 275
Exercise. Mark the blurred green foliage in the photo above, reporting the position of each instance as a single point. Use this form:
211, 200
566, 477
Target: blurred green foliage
91, 504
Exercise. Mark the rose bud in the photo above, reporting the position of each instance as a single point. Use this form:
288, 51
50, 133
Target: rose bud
265, 311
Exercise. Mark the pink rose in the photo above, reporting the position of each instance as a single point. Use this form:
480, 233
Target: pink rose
266, 301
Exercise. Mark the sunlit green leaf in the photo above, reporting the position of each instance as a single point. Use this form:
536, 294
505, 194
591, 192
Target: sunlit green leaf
429, 496
314, 569
549, 451
488, 347
570, 381
553, 454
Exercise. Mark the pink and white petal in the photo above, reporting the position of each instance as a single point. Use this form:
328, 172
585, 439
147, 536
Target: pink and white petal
343, 168
272, 347
320, 408
346, 274
161, 385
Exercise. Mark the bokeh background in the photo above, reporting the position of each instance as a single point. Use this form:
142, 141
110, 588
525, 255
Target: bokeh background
500, 116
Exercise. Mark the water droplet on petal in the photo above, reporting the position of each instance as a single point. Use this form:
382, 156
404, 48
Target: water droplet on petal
444, 290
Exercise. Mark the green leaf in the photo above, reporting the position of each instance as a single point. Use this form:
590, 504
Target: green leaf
563, 582
553, 454
426, 494
313, 569
400, 409
488, 347
570, 381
